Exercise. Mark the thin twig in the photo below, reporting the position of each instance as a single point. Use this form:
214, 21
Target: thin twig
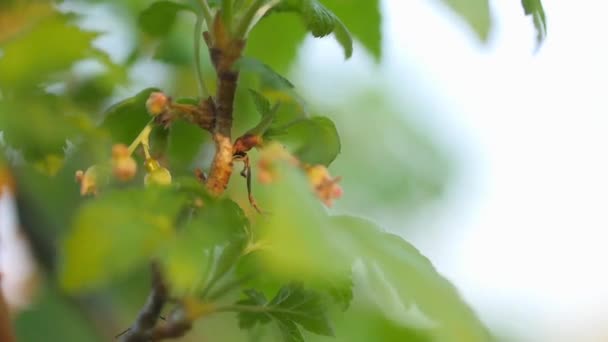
198, 35
207, 14
243, 27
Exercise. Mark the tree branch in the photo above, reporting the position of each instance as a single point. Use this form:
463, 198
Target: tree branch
143, 328
224, 51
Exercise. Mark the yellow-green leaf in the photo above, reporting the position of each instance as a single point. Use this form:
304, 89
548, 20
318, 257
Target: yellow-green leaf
115, 233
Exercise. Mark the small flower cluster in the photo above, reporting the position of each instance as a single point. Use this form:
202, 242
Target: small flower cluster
325, 187
123, 166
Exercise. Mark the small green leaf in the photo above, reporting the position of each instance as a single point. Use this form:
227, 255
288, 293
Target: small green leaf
115, 233
291, 305
363, 19
127, 118
319, 20
536, 10
248, 320
262, 105
267, 75
289, 331
268, 114
158, 19
344, 38
314, 140
305, 307
476, 13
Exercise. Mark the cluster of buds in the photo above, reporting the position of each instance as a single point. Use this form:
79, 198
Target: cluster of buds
325, 187
123, 168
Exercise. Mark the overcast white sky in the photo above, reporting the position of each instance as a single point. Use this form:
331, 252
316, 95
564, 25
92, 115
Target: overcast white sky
534, 204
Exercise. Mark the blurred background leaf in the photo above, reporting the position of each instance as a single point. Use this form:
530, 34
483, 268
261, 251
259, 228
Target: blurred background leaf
133, 224
476, 13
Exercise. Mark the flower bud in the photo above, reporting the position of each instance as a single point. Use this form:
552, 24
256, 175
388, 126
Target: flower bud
157, 175
325, 187
246, 143
157, 103
88, 181
124, 166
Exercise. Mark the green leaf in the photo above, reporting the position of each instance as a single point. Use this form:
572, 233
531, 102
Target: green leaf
218, 223
413, 277
364, 323
290, 331
116, 233
185, 142
34, 125
291, 305
305, 307
319, 20
316, 246
344, 37
267, 113
262, 105
248, 320
363, 19
340, 288
266, 74
314, 140
31, 57
42, 319
127, 118
158, 19
536, 10
476, 13
277, 48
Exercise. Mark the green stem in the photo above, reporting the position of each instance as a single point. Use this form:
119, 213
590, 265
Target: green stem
220, 292
227, 14
247, 20
254, 308
207, 15
143, 135
198, 31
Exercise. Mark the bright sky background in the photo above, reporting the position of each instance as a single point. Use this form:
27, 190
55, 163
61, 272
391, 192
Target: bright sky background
534, 202
525, 232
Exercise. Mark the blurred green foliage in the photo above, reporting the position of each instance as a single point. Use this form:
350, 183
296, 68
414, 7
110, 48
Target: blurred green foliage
308, 272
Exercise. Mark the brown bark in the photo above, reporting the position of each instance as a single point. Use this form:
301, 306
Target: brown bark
224, 52
6, 328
